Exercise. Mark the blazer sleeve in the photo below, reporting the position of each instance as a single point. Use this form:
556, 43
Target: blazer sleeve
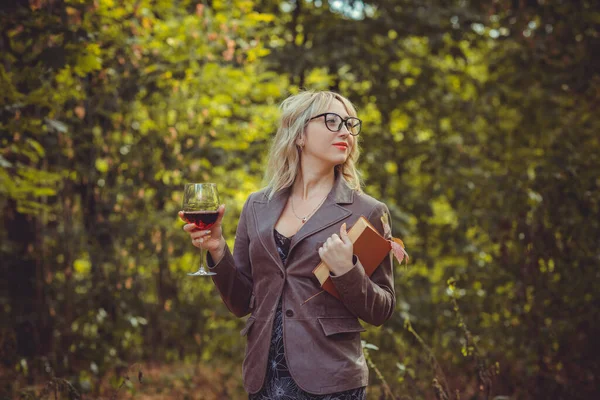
371, 299
233, 277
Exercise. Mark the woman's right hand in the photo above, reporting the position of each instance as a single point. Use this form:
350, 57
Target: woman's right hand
212, 239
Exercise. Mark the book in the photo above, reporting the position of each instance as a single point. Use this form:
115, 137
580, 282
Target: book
368, 245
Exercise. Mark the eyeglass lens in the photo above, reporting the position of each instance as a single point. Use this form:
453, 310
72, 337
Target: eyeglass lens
334, 123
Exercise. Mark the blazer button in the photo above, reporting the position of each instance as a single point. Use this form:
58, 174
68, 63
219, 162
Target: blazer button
289, 313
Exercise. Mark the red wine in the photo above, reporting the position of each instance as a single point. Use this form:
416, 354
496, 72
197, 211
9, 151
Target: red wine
202, 219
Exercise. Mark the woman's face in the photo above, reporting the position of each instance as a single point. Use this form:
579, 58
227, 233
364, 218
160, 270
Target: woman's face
324, 145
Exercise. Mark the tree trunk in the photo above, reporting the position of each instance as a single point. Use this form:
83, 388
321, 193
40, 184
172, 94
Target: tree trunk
27, 312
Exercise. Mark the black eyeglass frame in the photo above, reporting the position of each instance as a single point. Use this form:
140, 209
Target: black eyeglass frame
343, 122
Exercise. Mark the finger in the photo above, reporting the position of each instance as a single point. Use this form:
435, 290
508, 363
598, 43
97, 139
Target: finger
200, 239
199, 234
335, 238
180, 213
189, 228
344, 234
321, 251
221, 211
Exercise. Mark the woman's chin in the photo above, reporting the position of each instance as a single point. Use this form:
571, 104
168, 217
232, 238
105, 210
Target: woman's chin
340, 160
335, 163
332, 161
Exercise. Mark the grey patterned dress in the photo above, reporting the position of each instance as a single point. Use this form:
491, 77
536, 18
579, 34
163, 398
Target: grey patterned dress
279, 384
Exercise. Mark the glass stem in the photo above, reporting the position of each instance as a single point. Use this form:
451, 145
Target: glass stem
202, 260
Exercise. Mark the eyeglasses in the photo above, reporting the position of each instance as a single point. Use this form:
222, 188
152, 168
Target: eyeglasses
334, 123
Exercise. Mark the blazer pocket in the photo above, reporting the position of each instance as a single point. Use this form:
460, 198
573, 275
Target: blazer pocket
249, 323
340, 327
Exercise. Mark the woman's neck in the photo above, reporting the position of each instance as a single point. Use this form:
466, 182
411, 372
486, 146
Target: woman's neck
313, 183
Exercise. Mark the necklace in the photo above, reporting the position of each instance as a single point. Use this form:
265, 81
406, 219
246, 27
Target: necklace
305, 218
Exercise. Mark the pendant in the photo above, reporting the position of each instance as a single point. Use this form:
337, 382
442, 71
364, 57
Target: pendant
304, 220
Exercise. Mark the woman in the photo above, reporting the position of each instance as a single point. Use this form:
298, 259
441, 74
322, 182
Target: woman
298, 349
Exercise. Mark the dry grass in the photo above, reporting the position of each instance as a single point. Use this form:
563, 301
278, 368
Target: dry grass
149, 382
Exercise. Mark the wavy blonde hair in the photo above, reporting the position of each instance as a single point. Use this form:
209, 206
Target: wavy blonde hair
284, 156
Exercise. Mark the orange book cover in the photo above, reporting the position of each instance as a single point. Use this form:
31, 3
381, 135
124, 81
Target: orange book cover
369, 246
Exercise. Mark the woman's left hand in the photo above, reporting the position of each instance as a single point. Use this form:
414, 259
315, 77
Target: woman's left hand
337, 252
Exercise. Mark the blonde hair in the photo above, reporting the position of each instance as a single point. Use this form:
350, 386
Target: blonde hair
284, 157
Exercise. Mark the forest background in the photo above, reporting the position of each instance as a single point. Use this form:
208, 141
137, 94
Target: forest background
480, 133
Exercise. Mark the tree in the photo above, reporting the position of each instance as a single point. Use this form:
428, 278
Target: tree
479, 134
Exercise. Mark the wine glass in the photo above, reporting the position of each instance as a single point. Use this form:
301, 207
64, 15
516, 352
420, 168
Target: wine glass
200, 207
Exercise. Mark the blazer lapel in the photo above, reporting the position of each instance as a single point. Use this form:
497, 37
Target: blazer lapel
266, 214
330, 213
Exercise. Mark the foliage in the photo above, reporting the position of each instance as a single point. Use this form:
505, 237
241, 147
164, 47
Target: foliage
480, 135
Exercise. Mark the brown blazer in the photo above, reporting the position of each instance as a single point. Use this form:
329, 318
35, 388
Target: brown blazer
322, 337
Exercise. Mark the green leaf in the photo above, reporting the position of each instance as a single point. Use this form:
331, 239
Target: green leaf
56, 125
102, 165
4, 163
36, 146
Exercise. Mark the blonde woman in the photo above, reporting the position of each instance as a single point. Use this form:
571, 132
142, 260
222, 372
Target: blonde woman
299, 350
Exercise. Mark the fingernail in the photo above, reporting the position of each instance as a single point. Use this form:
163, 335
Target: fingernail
201, 240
